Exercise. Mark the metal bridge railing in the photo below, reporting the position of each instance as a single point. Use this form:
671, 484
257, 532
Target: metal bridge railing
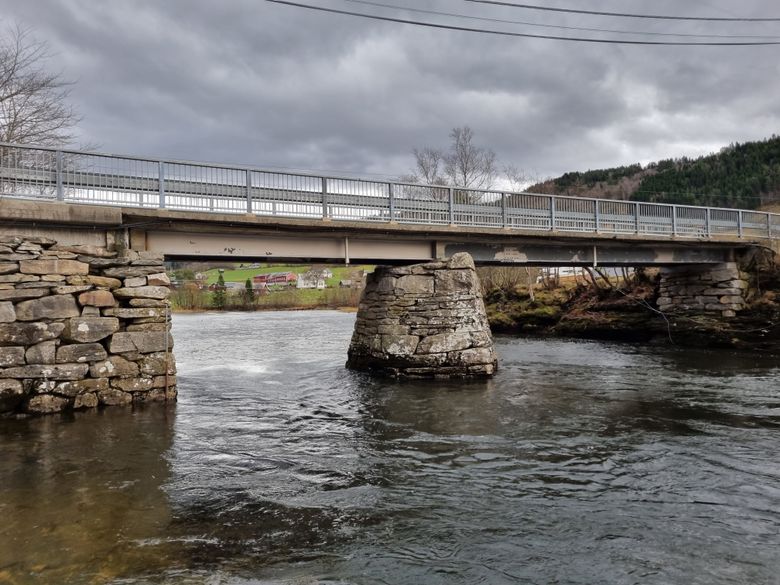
105, 179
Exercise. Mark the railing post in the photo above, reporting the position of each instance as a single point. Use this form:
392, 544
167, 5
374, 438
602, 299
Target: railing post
452, 205
739, 223
161, 182
552, 213
769, 226
636, 217
709, 223
60, 190
504, 222
324, 198
248, 191
391, 199
598, 216
674, 220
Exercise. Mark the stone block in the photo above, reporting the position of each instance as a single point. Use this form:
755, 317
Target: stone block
104, 282
84, 249
52, 307
147, 303
135, 312
163, 381
76, 387
144, 292
114, 397
158, 279
129, 271
154, 364
149, 341
444, 342
48, 371
41, 353
414, 284
455, 281
90, 311
12, 356
97, 298
81, 353
28, 333
461, 260
399, 345
90, 329
17, 277
53, 266
8, 267
70, 289
477, 356
87, 400
11, 394
132, 384
729, 299
114, 367
135, 281
23, 294
7, 312
46, 404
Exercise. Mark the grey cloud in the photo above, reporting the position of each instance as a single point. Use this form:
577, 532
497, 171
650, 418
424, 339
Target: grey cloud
246, 81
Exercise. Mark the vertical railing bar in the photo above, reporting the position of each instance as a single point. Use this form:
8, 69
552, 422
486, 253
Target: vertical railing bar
739, 223
636, 217
248, 191
504, 222
674, 220
324, 197
597, 214
768, 226
451, 197
161, 182
552, 213
708, 223
60, 189
391, 197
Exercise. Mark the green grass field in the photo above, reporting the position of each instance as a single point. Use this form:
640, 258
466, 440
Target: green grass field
241, 274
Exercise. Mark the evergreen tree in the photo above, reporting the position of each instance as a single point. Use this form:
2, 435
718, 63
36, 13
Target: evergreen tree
249, 293
219, 298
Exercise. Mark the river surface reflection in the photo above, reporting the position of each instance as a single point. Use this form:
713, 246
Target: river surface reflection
581, 462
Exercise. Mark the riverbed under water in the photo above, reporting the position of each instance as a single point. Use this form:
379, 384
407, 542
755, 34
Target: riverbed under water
580, 462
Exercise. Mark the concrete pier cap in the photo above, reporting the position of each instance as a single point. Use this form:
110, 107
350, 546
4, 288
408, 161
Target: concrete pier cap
424, 321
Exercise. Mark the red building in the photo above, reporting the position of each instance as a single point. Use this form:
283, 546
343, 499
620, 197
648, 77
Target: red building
275, 278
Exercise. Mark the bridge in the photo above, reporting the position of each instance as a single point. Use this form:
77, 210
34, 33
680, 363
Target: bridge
194, 210
83, 313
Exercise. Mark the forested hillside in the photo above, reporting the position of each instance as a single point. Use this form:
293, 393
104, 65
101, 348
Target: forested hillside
740, 175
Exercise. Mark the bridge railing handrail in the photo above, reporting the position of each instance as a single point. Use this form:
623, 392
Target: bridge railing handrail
570, 217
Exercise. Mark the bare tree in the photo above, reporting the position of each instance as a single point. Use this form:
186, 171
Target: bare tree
463, 165
429, 163
34, 105
467, 165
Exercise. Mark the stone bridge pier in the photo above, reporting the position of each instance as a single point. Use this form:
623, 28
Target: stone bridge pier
423, 321
717, 290
82, 326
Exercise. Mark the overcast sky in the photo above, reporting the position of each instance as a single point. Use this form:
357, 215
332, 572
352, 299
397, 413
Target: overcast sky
247, 81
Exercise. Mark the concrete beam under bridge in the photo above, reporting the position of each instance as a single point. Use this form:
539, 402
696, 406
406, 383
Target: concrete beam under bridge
202, 235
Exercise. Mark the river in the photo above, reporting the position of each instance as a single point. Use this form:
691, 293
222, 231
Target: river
580, 462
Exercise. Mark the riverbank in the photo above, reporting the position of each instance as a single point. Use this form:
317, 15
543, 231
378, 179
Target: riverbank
629, 313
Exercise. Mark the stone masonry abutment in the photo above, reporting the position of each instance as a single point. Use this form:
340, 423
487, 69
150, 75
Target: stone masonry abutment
82, 326
423, 321
717, 290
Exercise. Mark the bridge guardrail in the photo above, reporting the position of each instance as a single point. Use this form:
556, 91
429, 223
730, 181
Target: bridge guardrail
106, 179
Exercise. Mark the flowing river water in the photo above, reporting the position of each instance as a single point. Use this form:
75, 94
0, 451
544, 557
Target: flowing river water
580, 462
